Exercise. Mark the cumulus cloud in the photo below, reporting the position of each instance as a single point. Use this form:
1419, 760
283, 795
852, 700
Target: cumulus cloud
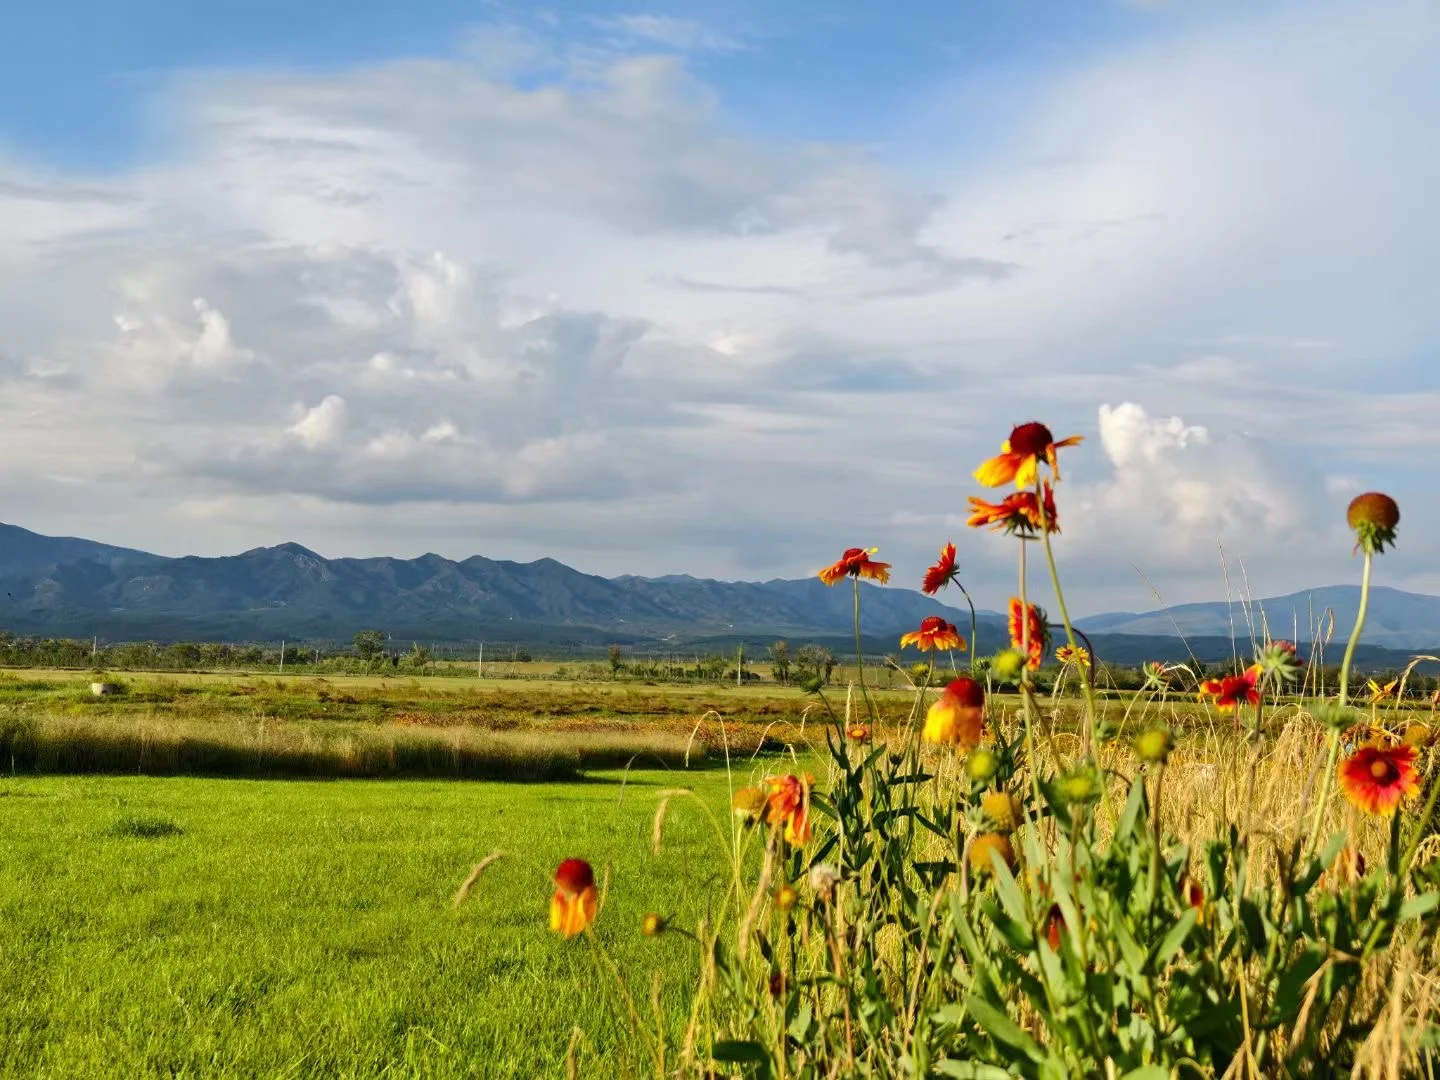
568, 308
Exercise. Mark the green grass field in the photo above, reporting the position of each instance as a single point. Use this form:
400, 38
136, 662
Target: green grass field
212, 927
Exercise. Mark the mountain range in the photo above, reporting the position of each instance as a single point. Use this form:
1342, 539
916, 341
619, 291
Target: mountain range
65, 586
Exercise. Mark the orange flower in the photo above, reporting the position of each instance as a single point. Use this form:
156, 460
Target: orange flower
957, 716
1066, 655
1020, 456
942, 573
789, 802
576, 900
856, 562
1378, 779
1230, 691
934, 633
1017, 513
1037, 635
858, 732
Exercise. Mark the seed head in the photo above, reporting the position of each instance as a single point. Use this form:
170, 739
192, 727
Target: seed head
1154, 745
1373, 516
981, 765
980, 849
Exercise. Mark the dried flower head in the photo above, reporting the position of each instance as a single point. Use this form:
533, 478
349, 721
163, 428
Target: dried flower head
982, 846
1373, 517
1003, 809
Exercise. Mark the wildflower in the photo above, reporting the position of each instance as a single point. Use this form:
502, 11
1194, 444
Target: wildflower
1192, 894
942, 573
778, 983
1080, 785
823, 879
1230, 691
1036, 636
1380, 693
812, 684
1054, 924
1077, 655
981, 765
1016, 514
1157, 675
789, 802
1003, 809
576, 900
1007, 665
1373, 516
1281, 661
982, 846
1153, 745
858, 733
1020, 456
856, 563
934, 633
786, 897
1419, 736
1378, 779
957, 716
653, 925
747, 803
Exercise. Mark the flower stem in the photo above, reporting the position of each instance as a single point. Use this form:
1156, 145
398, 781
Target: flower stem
1065, 618
1027, 699
860, 657
974, 632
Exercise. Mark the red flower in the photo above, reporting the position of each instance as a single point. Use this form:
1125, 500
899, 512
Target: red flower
856, 562
789, 803
957, 716
858, 732
1377, 779
1036, 634
574, 904
1016, 513
934, 633
1020, 455
1230, 691
942, 573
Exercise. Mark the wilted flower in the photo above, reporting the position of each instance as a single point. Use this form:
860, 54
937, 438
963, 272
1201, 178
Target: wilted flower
1003, 809
1157, 675
1232, 690
789, 803
981, 765
934, 633
856, 563
1036, 634
1373, 516
982, 846
653, 925
747, 803
576, 900
942, 573
1077, 655
1378, 779
1018, 514
823, 880
1153, 745
1380, 693
957, 715
1020, 456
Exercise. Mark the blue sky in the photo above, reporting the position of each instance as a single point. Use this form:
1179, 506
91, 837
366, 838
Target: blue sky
723, 289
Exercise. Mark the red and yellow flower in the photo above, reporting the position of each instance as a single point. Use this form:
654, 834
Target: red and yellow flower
789, 805
1016, 513
1036, 635
1233, 690
957, 716
934, 633
1020, 456
1077, 655
1377, 779
942, 573
858, 733
856, 563
576, 899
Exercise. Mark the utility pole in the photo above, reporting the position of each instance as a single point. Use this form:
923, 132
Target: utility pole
480, 666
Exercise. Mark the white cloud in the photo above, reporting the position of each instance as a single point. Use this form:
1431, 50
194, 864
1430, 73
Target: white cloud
568, 308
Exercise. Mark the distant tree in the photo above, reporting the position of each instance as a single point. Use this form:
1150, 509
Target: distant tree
369, 645
780, 661
827, 663
183, 654
419, 656
617, 661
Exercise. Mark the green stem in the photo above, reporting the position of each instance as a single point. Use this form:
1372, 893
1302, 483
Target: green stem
974, 632
1065, 617
1355, 633
860, 658
1027, 699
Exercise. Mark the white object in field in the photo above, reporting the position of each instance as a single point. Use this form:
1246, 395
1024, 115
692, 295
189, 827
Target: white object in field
102, 689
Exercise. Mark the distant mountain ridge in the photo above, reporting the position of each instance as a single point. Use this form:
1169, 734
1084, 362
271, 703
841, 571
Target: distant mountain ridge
69, 586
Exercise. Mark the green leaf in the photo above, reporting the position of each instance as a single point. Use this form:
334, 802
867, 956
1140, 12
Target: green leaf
1008, 890
1133, 806
1002, 1029
1171, 943
1147, 1072
971, 1070
734, 1050
1419, 906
